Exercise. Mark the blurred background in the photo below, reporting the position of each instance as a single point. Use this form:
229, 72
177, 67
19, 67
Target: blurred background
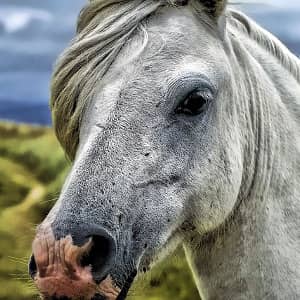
32, 165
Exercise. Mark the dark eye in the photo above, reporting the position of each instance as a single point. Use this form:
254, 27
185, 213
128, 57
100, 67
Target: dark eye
195, 103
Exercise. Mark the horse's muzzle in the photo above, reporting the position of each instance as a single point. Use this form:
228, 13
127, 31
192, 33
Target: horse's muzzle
63, 270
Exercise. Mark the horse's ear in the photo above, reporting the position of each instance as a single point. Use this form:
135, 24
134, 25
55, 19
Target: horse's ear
214, 8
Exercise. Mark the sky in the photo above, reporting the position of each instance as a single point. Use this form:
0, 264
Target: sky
34, 32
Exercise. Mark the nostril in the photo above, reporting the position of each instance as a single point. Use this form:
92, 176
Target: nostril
32, 268
100, 257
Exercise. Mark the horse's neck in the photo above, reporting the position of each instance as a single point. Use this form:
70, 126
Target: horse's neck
254, 258
257, 256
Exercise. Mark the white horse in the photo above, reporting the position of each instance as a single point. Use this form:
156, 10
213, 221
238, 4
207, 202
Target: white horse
183, 122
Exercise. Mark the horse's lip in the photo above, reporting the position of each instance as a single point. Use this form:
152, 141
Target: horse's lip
122, 295
127, 285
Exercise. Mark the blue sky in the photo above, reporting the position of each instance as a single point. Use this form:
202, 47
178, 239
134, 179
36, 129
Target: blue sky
33, 33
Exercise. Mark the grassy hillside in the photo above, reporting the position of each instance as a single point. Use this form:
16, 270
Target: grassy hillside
32, 169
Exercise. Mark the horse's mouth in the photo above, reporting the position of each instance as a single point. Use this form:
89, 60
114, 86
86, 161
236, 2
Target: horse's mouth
127, 285
98, 296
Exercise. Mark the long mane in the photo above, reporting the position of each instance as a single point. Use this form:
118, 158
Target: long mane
104, 27
266, 40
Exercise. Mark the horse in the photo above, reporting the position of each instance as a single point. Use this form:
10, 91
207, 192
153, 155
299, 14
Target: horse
182, 120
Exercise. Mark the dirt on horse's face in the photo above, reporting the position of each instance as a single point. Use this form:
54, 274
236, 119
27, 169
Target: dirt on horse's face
157, 159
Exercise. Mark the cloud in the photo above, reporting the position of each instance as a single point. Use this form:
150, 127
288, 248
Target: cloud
32, 34
285, 3
271, 4
16, 18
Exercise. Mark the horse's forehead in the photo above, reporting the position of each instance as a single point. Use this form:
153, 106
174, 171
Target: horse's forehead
174, 39
184, 21
170, 33
175, 32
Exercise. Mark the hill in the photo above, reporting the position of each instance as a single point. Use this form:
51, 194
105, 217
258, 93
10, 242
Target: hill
32, 170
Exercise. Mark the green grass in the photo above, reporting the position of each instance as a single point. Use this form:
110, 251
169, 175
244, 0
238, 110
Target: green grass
32, 170
31, 164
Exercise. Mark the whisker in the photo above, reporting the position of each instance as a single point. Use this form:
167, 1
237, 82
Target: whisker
22, 261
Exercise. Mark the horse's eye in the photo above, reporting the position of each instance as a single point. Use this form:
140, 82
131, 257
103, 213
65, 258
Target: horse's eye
195, 103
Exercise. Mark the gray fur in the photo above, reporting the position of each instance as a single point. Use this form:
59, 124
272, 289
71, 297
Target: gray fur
225, 185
